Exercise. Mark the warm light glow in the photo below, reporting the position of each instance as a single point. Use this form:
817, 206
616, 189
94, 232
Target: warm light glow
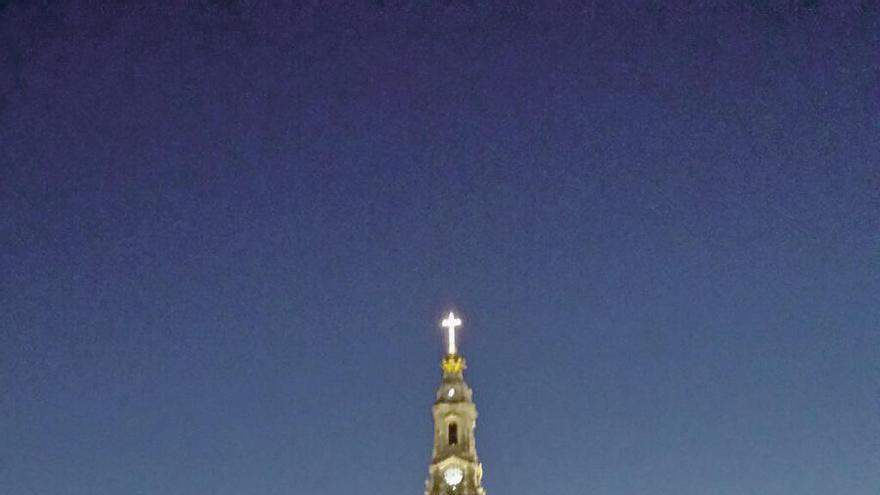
450, 323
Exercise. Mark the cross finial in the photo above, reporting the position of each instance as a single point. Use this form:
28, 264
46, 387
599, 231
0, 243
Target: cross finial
450, 323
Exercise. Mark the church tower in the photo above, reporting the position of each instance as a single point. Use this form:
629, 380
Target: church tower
455, 468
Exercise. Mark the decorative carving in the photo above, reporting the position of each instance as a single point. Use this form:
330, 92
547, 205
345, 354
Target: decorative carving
453, 364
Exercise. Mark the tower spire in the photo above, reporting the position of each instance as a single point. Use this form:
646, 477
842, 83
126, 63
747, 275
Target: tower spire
455, 468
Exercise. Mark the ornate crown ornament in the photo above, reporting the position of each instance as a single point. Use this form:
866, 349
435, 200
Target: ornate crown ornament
453, 364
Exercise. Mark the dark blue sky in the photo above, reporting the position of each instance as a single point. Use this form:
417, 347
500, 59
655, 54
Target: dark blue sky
229, 230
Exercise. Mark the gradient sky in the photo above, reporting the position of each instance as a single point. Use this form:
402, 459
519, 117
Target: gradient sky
228, 231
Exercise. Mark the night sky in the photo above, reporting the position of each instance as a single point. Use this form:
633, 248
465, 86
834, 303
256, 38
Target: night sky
229, 230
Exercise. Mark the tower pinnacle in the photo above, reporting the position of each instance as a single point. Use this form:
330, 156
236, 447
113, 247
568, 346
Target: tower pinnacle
455, 468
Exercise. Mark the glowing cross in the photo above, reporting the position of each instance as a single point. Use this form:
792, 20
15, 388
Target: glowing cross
450, 323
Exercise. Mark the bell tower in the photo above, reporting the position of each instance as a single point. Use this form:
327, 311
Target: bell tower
455, 468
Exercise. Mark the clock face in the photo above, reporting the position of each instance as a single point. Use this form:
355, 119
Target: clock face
451, 393
453, 475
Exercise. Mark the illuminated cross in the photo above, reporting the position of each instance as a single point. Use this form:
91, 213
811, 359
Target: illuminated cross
450, 323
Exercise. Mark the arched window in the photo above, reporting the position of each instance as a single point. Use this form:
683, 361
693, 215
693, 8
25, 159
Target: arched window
452, 434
